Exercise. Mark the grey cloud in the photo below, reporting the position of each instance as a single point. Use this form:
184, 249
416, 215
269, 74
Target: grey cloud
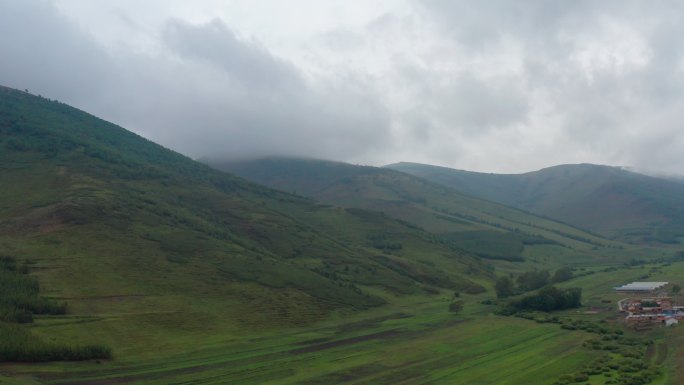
245, 61
341, 40
475, 105
494, 85
207, 93
274, 111
43, 51
607, 76
487, 23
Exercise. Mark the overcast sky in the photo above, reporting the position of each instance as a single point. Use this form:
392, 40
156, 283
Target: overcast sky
496, 86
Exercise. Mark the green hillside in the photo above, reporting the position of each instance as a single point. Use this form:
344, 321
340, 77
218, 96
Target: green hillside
128, 233
607, 200
490, 230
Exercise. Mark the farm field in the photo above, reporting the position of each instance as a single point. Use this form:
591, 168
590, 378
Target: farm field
416, 341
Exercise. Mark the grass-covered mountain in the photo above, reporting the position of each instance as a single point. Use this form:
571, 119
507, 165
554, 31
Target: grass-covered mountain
489, 229
608, 200
129, 235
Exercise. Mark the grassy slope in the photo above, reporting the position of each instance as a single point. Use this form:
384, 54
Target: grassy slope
416, 341
131, 235
489, 229
608, 200
423, 344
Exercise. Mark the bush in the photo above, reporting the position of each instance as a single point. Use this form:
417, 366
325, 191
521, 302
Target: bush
474, 289
532, 280
561, 275
504, 287
456, 307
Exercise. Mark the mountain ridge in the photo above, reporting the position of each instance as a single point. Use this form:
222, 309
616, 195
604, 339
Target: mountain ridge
436, 208
609, 200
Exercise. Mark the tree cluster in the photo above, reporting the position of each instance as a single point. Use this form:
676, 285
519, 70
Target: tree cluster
19, 301
530, 280
550, 298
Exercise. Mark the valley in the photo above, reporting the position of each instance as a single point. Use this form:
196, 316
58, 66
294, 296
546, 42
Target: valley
291, 271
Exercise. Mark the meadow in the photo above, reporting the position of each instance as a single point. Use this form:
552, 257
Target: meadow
415, 340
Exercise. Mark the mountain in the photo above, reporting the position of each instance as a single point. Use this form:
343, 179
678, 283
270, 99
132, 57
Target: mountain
130, 234
607, 200
489, 229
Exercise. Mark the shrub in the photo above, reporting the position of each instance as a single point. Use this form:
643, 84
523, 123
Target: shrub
561, 275
504, 287
474, 289
456, 307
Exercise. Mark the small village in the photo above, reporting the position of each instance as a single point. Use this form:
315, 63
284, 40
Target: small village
649, 304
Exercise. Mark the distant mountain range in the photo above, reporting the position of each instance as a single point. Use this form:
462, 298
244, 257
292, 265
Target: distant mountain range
611, 201
489, 229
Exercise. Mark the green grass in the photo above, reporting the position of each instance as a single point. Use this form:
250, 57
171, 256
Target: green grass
20, 300
414, 341
389, 346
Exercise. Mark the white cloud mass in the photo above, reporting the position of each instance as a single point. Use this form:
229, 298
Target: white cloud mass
501, 86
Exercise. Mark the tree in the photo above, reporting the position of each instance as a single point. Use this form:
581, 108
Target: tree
532, 280
675, 292
504, 287
456, 306
561, 275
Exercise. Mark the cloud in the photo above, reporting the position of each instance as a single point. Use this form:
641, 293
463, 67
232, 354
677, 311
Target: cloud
601, 81
246, 102
44, 51
206, 93
245, 61
499, 85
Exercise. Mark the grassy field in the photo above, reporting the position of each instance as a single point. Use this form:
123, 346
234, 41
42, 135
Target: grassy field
420, 342
415, 341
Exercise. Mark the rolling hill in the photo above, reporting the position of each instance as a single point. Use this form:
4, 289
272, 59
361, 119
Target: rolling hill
607, 200
130, 234
489, 229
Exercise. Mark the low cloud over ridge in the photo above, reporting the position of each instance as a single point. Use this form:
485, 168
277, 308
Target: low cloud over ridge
498, 86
